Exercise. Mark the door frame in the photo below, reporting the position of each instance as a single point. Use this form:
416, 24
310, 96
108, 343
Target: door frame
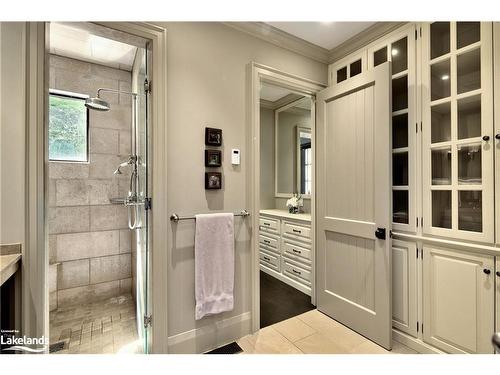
37, 177
256, 74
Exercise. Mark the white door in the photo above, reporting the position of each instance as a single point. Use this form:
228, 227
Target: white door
353, 203
459, 300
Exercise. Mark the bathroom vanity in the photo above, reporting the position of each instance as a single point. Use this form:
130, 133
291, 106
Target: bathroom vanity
285, 247
10, 288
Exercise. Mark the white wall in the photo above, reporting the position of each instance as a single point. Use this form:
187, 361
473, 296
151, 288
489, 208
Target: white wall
12, 132
207, 87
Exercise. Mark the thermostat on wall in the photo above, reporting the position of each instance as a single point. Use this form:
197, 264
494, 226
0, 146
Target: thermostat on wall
235, 156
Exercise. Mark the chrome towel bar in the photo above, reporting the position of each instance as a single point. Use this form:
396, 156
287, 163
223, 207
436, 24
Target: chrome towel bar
175, 218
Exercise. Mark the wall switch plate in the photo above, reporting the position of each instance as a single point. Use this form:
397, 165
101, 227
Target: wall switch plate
235, 156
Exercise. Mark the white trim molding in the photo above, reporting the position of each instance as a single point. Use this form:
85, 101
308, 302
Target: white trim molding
282, 39
292, 43
210, 336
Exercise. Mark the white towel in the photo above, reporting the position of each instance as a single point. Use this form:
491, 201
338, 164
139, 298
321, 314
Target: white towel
214, 264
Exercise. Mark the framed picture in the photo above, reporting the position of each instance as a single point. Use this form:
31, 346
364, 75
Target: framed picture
213, 180
213, 137
213, 158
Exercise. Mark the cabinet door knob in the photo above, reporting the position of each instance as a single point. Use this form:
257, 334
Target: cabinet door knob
497, 136
486, 137
486, 271
498, 273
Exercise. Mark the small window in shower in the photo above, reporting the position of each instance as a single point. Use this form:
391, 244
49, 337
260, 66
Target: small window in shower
68, 127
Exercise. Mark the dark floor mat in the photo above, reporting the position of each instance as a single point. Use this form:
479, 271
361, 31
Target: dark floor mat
280, 301
57, 346
232, 348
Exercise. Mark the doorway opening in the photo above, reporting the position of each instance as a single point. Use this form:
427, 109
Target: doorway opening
98, 189
286, 180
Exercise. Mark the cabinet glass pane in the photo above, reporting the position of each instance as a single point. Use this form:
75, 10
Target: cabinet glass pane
470, 211
440, 80
469, 117
440, 39
400, 169
355, 68
441, 166
380, 56
468, 33
441, 123
400, 131
441, 208
399, 93
400, 206
399, 52
469, 71
469, 164
342, 74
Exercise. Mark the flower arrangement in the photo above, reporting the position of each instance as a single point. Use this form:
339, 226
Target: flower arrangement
294, 203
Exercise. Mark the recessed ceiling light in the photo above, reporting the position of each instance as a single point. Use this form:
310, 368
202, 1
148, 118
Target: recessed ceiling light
394, 52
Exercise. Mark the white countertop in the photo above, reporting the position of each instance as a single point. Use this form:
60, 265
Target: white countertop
285, 214
8, 265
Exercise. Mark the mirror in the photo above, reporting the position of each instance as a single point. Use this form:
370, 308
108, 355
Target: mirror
293, 153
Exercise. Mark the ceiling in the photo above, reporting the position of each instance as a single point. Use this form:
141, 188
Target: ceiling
327, 35
277, 96
81, 43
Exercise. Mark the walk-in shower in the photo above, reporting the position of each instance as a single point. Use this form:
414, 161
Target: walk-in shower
132, 200
98, 190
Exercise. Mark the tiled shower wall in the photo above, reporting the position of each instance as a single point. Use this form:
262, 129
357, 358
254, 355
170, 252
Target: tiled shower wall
89, 240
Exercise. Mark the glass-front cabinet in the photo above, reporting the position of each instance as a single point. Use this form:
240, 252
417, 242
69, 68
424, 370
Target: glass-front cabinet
457, 131
399, 48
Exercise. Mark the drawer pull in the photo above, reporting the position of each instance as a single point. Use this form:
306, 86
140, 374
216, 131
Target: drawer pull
296, 231
296, 272
267, 241
297, 251
267, 224
268, 259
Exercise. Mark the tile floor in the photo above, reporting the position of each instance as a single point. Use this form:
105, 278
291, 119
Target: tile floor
312, 333
96, 328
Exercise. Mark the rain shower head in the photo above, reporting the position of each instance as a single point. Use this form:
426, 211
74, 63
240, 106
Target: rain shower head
97, 103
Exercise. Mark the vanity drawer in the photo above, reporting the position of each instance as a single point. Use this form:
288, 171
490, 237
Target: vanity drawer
298, 273
292, 249
269, 241
296, 230
270, 260
269, 225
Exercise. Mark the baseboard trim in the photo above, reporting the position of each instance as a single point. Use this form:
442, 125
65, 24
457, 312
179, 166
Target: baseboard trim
211, 336
414, 343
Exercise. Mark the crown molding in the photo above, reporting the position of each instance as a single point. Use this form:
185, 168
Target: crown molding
282, 39
362, 39
285, 40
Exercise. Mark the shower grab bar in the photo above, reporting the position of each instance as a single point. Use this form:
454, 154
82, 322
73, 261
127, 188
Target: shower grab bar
175, 218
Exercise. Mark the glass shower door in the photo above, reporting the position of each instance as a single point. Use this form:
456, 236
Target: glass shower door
142, 235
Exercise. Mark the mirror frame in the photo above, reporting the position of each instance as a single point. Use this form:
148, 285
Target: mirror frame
298, 130
277, 111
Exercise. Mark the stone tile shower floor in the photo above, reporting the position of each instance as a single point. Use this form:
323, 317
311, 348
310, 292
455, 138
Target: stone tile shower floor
103, 327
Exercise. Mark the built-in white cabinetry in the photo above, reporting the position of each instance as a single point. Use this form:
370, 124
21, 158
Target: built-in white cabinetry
497, 299
457, 137
399, 48
458, 300
496, 73
446, 175
286, 251
404, 286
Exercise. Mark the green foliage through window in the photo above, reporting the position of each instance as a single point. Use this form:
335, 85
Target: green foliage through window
67, 128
